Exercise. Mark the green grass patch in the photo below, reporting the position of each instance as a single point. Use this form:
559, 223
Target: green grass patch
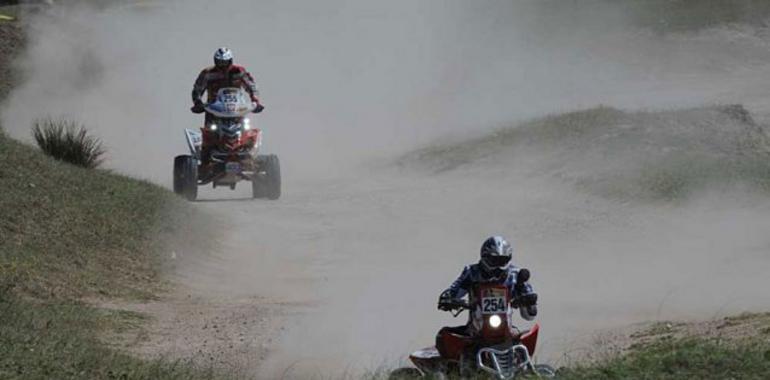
549, 131
679, 176
659, 156
687, 358
669, 358
55, 341
68, 232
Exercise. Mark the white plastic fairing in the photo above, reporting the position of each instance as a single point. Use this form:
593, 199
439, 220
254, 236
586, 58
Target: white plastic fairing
194, 141
258, 145
231, 102
426, 353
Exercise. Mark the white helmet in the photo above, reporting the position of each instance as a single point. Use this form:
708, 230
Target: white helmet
223, 57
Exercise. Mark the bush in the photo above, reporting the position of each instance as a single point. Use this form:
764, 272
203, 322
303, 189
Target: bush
68, 141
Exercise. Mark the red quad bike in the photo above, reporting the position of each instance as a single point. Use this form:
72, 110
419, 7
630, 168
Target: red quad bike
232, 151
492, 347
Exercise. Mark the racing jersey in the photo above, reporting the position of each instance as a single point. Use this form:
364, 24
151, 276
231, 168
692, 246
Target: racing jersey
211, 79
472, 275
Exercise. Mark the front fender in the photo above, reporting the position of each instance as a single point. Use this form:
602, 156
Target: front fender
194, 139
529, 339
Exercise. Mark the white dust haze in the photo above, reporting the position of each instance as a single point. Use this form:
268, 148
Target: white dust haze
367, 248
344, 80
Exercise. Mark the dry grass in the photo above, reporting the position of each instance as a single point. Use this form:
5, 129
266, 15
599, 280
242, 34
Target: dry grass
68, 141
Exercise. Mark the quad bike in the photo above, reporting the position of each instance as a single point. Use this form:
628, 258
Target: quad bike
490, 347
226, 151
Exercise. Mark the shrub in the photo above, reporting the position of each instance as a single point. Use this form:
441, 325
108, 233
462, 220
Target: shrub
68, 141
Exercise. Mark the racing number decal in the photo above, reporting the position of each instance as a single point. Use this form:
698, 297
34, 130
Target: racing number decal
493, 301
493, 305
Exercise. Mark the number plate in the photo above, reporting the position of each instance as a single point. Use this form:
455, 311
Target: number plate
232, 167
493, 301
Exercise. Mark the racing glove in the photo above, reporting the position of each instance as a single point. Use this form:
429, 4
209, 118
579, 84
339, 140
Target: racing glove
525, 300
528, 313
258, 108
445, 301
198, 107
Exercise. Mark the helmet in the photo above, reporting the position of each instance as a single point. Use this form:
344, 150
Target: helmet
496, 253
223, 57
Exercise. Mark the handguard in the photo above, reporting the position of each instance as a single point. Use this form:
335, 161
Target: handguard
445, 301
525, 300
198, 108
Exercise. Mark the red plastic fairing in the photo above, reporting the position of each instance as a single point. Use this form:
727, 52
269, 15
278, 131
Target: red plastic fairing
453, 345
529, 339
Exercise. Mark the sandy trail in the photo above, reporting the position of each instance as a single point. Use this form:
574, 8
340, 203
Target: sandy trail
360, 260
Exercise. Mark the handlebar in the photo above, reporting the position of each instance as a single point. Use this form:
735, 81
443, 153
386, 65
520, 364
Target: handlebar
455, 304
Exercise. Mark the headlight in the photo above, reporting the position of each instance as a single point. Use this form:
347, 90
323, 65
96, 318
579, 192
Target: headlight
495, 321
246, 124
213, 127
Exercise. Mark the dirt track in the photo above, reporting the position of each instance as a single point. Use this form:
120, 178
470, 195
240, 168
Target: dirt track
368, 258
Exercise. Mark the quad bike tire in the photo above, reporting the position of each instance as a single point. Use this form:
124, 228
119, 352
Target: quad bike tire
268, 185
186, 177
405, 373
257, 188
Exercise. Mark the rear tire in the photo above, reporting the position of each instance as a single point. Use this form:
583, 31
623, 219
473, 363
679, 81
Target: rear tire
267, 185
257, 187
186, 176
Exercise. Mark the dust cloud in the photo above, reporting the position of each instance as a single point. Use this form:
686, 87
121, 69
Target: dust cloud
344, 80
358, 249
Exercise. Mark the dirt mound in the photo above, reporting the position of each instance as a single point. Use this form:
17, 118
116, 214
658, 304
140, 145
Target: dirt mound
620, 154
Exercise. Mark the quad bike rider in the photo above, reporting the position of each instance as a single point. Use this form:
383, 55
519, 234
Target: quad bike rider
496, 254
227, 149
487, 342
223, 74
